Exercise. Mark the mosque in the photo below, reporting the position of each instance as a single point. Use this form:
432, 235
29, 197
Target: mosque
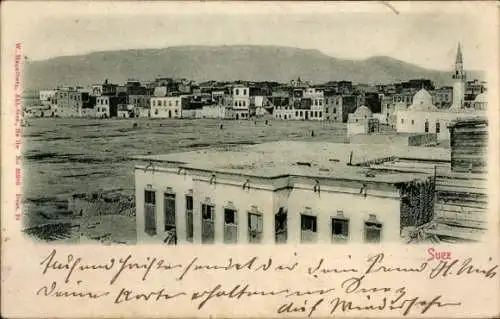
424, 117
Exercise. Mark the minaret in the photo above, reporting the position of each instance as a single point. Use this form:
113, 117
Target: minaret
459, 81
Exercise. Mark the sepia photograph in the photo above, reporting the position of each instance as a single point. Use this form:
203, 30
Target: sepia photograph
203, 133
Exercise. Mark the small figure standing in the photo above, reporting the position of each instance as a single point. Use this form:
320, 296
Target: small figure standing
312, 133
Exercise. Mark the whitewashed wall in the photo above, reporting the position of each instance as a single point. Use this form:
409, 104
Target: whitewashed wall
382, 202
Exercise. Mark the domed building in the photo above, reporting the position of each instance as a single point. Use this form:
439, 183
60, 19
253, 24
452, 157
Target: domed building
422, 102
361, 112
480, 102
424, 117
362, 122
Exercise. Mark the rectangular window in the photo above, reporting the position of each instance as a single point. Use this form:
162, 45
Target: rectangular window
230, 226
189, 218
373, 232
308, 227
254, 227
340, 230
150, 212
280, 226
169, 209
207, 220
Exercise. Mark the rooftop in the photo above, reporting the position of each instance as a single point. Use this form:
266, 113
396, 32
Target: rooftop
312, 159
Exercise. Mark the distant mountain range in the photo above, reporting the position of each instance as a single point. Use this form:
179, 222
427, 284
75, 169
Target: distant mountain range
222, 63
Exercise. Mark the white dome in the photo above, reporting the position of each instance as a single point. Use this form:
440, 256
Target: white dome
422, 101
363, 112
481, 98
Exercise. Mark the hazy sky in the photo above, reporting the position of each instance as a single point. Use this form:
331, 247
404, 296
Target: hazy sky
427, 39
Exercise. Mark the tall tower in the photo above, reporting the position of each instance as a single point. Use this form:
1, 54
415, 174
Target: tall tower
459, 81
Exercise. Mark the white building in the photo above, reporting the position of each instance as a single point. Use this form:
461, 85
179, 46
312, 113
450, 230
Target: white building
167, 106
318, 107
46, 96
215, 112
282, 192
424, 117
481, 102
103, 106
241, 102
362, 122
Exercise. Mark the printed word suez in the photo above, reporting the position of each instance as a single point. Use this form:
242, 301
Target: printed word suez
438, 255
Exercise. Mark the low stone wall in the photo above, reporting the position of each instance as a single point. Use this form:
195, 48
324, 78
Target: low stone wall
424, 139
99, 204
388, 139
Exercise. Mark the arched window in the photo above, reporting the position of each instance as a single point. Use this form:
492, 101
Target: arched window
426, 126
237, 92
438, 127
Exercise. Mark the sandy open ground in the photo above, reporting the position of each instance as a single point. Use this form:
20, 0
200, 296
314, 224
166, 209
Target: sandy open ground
67, 156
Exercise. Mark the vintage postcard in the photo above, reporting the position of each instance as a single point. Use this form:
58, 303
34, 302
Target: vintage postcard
250, 159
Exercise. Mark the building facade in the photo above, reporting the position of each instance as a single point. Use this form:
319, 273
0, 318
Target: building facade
333, 106
167, 106
195, 203
241, 102
424, 117
68, 102
107, 106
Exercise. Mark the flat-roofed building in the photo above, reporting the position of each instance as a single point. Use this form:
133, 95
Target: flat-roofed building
167, 106
282, 192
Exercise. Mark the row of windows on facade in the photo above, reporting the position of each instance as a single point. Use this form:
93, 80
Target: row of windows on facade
76, 97
103, 101
244, 92
426, 125
332, 101
407, 99
240, 103
301, 114
164, 103
102, 109
308, 223
176, 112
